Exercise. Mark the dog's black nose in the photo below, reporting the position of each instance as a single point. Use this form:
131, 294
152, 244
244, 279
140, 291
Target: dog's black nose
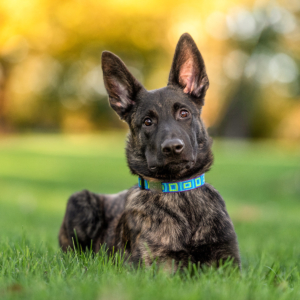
173, 146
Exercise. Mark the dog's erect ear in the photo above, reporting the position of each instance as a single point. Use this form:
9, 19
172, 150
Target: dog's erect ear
120, 84
188, 69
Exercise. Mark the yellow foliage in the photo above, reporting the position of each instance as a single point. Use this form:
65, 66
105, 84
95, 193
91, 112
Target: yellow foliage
41, 38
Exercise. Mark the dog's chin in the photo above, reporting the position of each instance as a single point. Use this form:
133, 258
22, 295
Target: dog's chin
172, 170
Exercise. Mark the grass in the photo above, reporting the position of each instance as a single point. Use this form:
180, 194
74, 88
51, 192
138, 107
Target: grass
260, 183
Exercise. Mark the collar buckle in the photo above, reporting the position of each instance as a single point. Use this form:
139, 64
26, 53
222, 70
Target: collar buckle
155, 186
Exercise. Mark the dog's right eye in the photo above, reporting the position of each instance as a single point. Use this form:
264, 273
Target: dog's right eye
148, 122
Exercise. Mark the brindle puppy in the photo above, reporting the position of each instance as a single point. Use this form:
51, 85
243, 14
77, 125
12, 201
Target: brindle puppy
167, 142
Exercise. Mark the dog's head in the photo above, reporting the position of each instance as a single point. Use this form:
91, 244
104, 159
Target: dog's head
167, 139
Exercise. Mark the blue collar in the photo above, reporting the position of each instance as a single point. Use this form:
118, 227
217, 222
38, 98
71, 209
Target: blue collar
172, 187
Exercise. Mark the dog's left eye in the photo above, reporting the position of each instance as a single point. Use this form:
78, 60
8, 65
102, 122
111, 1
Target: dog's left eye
183, 113
148, 122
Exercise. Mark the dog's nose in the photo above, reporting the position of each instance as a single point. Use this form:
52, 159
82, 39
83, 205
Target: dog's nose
173, 146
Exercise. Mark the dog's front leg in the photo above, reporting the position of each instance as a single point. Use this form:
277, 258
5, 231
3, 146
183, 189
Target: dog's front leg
216, 243
130, 238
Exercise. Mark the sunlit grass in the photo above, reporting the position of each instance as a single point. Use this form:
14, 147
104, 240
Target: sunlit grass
259, 182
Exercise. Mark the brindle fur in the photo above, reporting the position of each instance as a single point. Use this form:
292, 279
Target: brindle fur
150, 225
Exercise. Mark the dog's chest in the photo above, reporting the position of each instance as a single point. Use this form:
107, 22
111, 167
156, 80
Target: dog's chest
164, 222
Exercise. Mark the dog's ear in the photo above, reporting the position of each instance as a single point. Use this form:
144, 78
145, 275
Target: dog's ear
188, 69
120, 84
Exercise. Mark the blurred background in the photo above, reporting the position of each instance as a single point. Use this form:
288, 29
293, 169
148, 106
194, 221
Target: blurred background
58, 134
50, 73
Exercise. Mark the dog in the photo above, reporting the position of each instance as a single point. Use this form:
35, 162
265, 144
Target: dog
172, 216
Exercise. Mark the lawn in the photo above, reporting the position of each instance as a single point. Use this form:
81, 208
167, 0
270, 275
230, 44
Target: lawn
259, 181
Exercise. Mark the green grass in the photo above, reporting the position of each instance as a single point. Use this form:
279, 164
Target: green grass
260, 183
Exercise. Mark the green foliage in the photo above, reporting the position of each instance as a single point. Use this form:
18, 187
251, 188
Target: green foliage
258, 181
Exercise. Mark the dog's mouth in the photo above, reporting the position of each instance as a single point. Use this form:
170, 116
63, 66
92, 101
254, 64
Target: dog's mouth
185, 164
171, 169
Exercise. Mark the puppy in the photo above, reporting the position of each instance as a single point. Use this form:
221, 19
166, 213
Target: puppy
172, 215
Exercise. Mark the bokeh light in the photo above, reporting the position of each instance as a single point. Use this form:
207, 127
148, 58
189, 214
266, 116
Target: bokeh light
51, 78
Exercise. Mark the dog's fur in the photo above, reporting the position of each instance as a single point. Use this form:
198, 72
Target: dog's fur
185, 226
